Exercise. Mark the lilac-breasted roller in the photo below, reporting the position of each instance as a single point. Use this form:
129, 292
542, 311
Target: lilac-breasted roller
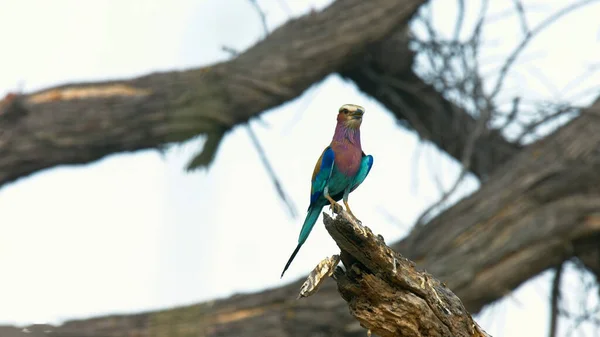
342, 167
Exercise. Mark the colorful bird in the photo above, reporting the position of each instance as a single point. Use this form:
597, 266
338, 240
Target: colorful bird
342, 167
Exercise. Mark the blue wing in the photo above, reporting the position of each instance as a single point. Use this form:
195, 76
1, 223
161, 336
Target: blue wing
321, 174
365, 167
320, 179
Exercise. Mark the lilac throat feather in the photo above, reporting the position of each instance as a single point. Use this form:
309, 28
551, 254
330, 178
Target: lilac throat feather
347, 148
344, 134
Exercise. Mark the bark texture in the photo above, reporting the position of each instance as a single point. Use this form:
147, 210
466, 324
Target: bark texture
387, 294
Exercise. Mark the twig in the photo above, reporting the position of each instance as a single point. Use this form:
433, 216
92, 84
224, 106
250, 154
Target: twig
460, 19
522, 17
585, 314
554, 300
261, 14
589, 72
513, 113
304, 103
263, 157
425, 214
230, 50
529, 128
547, 22
484, 108
469, 87
286, 8
391, 218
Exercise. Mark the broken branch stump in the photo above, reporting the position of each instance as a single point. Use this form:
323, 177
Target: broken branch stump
384, 290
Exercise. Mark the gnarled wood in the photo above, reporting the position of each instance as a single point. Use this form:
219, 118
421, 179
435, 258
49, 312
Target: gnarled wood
387, 294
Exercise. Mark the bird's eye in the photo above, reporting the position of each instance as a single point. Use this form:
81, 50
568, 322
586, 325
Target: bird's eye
345, 111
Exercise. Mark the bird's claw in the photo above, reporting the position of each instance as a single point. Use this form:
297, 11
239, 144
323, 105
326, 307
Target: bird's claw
349, 211
335, 207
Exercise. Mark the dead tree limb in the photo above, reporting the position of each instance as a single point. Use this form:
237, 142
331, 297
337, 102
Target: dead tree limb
79, 123
386, 292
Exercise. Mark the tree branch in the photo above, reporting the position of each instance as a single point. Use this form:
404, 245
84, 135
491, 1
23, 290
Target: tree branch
417, 105
554, 300
78, 123
525, 220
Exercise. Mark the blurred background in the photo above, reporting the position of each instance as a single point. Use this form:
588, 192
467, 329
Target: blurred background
135, 232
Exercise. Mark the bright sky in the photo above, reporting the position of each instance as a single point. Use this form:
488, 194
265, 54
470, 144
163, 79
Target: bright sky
135, 232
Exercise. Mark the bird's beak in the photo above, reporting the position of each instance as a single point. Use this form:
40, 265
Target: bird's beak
357, 114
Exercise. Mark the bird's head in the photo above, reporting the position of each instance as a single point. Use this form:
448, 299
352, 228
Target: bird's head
351, 115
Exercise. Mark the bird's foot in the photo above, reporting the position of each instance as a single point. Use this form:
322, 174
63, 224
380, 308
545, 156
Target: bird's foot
335, 207
349, 211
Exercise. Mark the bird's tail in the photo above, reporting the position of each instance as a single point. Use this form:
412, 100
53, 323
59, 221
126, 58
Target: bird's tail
309, 222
